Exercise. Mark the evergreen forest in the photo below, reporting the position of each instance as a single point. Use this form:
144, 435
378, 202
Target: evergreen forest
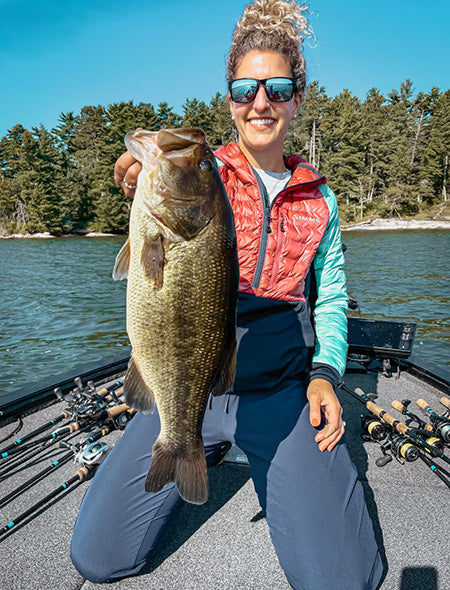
385, 156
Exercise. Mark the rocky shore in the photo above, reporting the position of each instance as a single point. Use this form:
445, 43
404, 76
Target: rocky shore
396, 224
48, 235
371, 224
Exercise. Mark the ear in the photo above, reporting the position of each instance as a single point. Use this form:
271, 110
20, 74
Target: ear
298, 101
232, 106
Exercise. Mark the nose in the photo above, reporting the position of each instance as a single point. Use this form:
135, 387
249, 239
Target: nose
261, 102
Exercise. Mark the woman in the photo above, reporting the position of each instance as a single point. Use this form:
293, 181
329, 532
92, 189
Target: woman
283, 411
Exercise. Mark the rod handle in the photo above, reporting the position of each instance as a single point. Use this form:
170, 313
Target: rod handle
399, 426
423, 405
445, 401
397, 405
82, 473
118, 410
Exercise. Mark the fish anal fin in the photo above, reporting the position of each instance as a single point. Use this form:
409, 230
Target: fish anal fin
225, 379
152, 260
187, 470
137, 393
122, 263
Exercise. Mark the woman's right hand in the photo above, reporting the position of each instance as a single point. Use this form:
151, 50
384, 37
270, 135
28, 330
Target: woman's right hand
126, 172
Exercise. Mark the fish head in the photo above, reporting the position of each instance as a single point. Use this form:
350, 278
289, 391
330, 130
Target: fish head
183, 174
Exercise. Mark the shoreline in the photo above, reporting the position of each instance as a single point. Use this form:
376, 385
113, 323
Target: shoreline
49, 236
370, 225
396, 224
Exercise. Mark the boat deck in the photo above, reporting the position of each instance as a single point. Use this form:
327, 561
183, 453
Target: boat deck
225, 543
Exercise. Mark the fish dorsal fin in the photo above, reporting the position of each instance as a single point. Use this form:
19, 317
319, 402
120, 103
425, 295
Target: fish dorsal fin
137, 393
122, 263
226, 378
152, 260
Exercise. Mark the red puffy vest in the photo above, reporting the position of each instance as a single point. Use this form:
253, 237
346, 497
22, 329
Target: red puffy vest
276, 247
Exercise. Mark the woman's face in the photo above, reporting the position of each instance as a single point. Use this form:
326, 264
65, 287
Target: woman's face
262, 124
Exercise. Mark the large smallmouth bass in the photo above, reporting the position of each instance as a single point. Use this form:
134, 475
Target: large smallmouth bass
181, 263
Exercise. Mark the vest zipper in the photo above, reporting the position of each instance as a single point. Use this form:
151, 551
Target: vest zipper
266, 229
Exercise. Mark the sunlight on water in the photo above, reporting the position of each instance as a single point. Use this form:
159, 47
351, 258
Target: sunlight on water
60, 308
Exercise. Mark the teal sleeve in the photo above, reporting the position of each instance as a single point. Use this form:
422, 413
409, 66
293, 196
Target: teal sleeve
330, 312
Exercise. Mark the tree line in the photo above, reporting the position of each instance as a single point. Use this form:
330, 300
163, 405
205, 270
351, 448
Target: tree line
383, 156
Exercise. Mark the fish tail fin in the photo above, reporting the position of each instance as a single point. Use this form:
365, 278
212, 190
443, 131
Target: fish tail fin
187, 470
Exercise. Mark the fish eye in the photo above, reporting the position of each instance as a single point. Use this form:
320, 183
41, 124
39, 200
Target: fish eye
206, 165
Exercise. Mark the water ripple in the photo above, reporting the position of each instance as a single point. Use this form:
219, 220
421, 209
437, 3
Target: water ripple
59, 306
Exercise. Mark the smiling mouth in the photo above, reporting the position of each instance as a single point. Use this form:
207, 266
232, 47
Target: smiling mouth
261, 122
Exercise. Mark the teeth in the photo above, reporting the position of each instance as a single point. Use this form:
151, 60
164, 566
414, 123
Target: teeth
262, 121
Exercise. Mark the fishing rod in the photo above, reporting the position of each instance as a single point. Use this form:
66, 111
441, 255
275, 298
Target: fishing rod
35, 432
16, 430
119, 415
426, 431
90, 458
441, 424
400, 447
445, 401
117, 422
56, 464
396, 424
76, 396
92, 411
16, 460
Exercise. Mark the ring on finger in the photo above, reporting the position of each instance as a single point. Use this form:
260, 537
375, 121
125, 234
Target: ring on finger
129, 186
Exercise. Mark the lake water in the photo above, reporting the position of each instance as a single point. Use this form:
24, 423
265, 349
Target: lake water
60, 308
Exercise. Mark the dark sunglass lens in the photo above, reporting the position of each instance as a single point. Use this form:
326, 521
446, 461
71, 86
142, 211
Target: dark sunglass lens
243, 90
279, 89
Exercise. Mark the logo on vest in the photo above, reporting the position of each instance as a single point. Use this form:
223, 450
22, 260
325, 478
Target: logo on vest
306, 218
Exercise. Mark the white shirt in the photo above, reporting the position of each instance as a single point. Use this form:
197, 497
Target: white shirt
274, 181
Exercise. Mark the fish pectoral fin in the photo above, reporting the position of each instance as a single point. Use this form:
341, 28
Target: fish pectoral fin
152, 260
186, 468
122, 263
136, 392
225, 379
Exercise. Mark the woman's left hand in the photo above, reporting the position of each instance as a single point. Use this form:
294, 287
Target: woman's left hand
323, 400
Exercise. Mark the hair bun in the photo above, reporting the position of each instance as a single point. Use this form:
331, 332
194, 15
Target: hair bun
272, 25
281, 17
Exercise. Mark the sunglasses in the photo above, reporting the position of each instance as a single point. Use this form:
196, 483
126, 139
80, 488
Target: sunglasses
277, 89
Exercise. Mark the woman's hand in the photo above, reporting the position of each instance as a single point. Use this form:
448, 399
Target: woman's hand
126, 172
323, 400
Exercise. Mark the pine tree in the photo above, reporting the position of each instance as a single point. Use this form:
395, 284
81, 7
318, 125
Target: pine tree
305, 134
434, 171
343, 153
400, 194
375, 131
167, 119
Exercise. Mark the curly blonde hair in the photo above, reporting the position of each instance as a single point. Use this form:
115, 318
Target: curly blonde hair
272, 25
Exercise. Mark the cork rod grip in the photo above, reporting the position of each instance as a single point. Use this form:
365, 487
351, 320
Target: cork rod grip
445, 401
402, 428
423, 405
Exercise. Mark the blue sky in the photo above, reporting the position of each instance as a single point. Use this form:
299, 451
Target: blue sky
59, 55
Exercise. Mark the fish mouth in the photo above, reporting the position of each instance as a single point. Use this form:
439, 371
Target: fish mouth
169, 140
182, 147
